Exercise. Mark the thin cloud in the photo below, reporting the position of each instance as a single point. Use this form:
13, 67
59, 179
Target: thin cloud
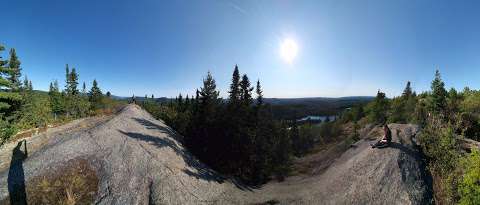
238, 8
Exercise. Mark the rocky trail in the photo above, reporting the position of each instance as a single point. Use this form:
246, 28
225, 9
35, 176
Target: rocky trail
131, 158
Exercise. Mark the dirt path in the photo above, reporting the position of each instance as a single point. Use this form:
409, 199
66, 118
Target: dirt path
140, 160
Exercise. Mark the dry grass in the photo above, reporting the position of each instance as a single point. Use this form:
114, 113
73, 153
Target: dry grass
74, 183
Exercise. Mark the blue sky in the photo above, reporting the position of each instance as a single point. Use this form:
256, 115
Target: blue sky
163, 48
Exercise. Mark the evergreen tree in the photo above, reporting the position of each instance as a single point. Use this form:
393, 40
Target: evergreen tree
72, 82
15, 70
109, 95
95, 96
9, 99
245, 91
407, 92
259, 94
26, 84
378, 108
439, 94
84, 88
203, 135
234, 93
55, 96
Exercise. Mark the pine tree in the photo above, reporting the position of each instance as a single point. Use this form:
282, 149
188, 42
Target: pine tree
95, 96
15, 70
234, 93
407, 92
378, 108
109, 94
9, 99
259, 94
26, 84
72, 82
55, 96
439, 94
245, 91
203, 137
84, 88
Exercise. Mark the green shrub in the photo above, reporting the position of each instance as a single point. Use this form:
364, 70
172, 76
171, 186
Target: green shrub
6, 131
469, 186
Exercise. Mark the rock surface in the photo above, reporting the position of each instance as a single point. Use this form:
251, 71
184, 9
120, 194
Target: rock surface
140, 160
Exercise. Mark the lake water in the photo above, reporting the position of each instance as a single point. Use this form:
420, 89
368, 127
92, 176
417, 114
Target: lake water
317, 118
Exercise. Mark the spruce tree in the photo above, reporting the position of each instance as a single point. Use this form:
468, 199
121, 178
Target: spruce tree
203, 137
245, 91
95, 96
439, 94
9, 99
26, 84
55, 97
259, 94
72, 82
15, 70
407, 92
234, 93
84, 88
379, 108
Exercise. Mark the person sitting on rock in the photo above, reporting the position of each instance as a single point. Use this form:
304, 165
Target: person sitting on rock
386, 139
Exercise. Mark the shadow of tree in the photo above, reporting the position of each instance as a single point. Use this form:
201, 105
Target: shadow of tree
16, 175
164, 129
201, 171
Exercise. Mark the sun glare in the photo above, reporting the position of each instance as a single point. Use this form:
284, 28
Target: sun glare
288, 50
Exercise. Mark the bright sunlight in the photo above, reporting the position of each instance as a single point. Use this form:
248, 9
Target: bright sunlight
288, 50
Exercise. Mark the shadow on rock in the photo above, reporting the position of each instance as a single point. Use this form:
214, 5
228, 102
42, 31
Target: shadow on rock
164, 129
414, 172
16, 175
200, 171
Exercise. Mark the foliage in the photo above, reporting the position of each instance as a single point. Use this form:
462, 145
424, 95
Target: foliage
10, 98
469, 186
6, 130
439, 144
95, 96
35, 112
377, 109
439, 95
23, 108
15, 70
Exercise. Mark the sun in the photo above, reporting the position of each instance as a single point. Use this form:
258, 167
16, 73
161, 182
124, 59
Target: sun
288, 50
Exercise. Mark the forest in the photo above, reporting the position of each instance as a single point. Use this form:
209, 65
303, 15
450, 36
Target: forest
22, 108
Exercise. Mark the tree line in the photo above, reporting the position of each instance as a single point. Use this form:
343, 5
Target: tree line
21, 107
238, 136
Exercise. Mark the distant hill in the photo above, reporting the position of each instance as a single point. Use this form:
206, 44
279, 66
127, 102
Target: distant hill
315, 100
294, 108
